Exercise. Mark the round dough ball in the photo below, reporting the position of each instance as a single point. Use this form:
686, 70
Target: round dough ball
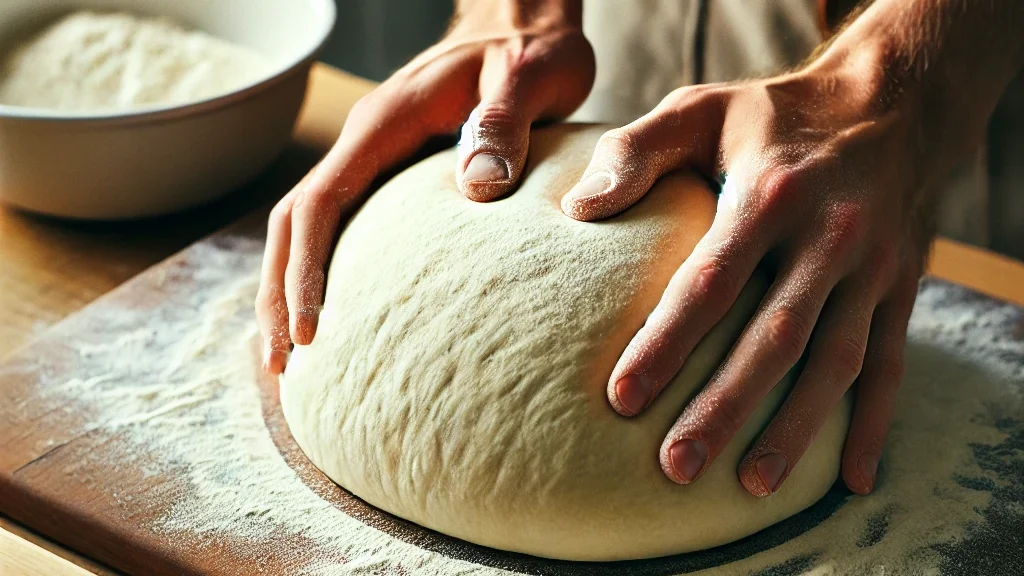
459, 370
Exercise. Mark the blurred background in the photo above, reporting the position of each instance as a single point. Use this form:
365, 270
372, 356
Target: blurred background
375, 37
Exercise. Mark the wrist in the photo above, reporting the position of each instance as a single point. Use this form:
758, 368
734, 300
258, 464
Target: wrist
945, 62
866, 69
862, 86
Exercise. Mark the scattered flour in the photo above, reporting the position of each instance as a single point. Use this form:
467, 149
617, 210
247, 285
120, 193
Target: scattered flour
89, 62
962, 395
239, 487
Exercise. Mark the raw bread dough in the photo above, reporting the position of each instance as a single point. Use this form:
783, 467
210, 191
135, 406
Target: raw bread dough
458, 374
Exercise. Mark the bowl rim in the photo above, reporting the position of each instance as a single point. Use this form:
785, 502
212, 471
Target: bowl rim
175, 111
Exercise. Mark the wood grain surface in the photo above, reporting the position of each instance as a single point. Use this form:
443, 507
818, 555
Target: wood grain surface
21, 558
82, 466
49, 269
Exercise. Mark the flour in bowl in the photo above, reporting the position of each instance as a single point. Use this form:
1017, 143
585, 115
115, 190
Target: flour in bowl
90, 62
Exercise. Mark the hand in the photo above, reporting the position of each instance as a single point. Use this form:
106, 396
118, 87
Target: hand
824, 193
827, 180
504, 65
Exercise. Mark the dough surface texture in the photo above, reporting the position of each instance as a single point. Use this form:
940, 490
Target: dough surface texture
458, 375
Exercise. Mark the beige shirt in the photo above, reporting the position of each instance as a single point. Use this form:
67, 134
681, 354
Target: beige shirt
647, 48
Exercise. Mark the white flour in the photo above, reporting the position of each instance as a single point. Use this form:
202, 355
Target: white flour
962, 396
88, 62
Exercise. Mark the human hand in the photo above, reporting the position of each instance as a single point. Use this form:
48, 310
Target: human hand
828, 173
503, 65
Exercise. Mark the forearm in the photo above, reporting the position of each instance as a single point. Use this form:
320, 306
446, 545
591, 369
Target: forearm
951, 58
519, 13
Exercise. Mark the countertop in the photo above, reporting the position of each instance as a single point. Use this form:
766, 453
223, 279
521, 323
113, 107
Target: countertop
50, 269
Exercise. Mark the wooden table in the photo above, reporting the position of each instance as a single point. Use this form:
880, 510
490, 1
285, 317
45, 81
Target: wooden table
49, 269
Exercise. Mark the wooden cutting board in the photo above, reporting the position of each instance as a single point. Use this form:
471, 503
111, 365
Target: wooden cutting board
102, 443
76, 468
118, 447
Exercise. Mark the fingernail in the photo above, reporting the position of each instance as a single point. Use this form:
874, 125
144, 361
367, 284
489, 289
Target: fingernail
593, 185
633, 392
867, 464
485, 168
770, 469
687, 458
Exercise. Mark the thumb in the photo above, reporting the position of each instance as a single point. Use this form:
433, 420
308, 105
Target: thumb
543, 79
683, 131
492, 149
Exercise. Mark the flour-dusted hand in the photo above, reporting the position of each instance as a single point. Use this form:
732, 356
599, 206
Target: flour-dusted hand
828, 176
503, 65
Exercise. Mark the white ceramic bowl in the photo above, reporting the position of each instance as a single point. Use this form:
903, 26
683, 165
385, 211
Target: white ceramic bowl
160, 160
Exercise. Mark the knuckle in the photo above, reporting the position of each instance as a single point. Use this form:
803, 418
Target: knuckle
788, 330
681, 97
780, 189
363, 107
693, 96
717, 284
302, 205
281, 213
619, 142
724, 414
311, 201
848, 357
496, 118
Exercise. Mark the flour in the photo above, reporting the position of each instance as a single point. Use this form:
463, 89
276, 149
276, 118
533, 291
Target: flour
963, 394
946, 484
89, 62
238, 486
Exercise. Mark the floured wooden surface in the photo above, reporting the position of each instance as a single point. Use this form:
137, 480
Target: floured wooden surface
139, 433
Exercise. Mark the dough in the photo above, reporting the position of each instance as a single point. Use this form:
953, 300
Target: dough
458, 375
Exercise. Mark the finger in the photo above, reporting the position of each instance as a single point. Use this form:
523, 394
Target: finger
834, 361
876, 390
771, 344
699, 294
682, 131
381, 130
316, 212
492, 149
706, 286
519, 84
271, 305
